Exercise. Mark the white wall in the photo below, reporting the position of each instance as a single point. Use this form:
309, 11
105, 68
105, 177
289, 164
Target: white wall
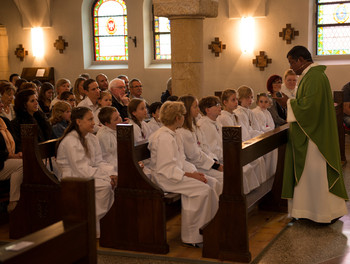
231, 69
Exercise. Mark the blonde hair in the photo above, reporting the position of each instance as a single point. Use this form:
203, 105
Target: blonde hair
60, 82
244, 92
57, 111
289, 72
169, 111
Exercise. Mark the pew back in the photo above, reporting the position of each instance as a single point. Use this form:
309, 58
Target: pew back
39, 204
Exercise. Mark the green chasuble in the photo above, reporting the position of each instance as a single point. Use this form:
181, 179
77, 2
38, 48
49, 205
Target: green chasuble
316, 120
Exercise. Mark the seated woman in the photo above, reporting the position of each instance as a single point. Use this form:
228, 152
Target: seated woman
45, 98
7, 92
170, 171
79, 155
11, 165
27, 112
277, 111
289, 86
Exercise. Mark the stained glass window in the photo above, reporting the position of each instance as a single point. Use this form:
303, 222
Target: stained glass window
110, 30
161, 36
333, 27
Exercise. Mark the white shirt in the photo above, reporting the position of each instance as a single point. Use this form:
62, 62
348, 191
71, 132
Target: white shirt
228, 119
247, 119
108, 141
74, 162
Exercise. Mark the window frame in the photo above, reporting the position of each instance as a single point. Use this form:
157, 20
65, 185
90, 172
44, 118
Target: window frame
154, 41
108, 62
317, 25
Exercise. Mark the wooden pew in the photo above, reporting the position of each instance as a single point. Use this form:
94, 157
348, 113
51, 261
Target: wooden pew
39, 205
72, 240
338, 98
137, 219
226, 236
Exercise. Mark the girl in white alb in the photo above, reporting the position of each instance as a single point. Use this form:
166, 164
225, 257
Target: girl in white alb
138, 112
172, 173
154, 123
266, 123
79, 155
228, 118
186, 135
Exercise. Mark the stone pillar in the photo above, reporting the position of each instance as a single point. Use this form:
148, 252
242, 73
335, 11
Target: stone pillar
186, 20
4, 54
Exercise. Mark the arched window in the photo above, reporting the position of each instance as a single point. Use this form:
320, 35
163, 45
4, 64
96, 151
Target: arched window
161, 38
110, 30
333, 27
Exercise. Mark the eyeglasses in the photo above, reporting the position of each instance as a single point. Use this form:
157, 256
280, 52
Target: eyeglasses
136, 86
217, 105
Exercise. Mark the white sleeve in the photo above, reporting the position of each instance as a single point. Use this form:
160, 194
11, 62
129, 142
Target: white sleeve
290, 113
108, 147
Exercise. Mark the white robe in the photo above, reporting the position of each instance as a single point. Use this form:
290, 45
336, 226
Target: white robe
250, 180
312, 199
247, 119
266, 123
140, 133
108, 142
195, 155
211, 131
153, 125
74, 162
199, 200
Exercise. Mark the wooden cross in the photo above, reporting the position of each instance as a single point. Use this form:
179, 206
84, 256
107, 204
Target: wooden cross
20, 52
60, 44
216, 47
261, 61
288, 33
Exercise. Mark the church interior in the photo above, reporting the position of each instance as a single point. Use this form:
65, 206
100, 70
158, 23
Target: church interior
208, 54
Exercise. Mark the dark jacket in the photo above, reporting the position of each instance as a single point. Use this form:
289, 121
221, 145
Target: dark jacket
122, 109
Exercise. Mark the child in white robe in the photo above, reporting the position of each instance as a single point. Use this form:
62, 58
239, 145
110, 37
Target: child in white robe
191, 144
107, 134
266, 123
228, 118
79, 155
138, 113
172, 173
154, 123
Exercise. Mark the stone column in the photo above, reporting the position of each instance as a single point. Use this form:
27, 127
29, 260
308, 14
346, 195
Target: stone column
4, 54
186, 20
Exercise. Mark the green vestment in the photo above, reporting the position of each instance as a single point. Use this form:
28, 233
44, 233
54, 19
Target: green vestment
315, 114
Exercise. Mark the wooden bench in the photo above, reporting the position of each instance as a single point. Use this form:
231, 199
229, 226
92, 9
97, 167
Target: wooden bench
72, 240
226, 236
137, 219
39, 205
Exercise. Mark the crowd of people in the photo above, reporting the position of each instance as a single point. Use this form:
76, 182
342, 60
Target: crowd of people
184, 135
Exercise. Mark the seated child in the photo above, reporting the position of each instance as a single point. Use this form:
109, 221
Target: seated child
266, 123
154, 124
60, 118
138, 112
104, 100
107, 135
68, 97
172, 173
79, 155
228, 118
191, 142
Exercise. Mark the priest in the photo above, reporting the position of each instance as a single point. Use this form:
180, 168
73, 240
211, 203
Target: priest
313, 180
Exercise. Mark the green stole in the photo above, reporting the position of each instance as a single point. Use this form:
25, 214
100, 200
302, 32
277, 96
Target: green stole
315, 114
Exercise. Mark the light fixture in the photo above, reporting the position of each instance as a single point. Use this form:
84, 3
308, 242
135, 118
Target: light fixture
38, 42
247, 34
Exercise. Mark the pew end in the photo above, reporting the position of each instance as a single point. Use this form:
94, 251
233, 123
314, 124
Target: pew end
72, 240
225, 237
